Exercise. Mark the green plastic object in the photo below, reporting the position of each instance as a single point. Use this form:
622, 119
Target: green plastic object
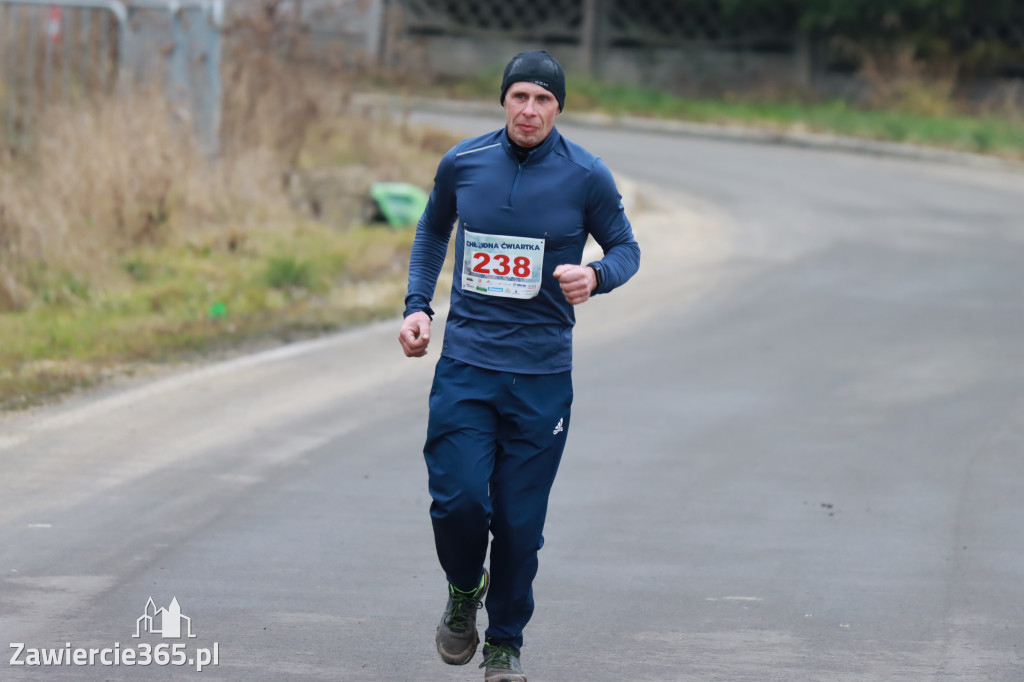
400, 203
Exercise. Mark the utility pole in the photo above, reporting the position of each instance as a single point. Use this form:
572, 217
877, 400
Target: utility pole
592, 36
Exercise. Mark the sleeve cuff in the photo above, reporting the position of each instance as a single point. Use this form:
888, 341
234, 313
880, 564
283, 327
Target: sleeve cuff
419, 309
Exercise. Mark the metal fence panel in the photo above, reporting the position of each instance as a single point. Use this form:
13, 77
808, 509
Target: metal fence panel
60, 51
679, 41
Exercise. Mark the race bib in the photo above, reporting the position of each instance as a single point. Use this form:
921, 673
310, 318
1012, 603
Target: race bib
502, 266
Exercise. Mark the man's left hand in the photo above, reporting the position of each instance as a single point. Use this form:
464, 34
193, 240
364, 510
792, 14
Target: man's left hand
577, 281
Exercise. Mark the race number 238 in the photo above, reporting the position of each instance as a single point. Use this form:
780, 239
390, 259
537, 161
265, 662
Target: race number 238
496, 265
501, 264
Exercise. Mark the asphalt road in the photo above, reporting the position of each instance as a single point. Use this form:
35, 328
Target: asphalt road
795, 455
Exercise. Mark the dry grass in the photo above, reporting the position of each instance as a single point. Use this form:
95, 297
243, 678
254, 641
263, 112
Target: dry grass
101, 179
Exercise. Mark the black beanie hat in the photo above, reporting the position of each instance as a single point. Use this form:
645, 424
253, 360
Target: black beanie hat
535, 66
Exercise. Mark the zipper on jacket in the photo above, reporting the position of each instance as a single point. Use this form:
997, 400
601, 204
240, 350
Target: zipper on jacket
515, 183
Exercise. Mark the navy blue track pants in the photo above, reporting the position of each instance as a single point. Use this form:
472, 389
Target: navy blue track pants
494, 441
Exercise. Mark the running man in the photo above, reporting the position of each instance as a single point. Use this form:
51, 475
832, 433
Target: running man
525, 200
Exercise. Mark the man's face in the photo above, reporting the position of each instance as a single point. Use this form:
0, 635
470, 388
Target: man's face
530, 112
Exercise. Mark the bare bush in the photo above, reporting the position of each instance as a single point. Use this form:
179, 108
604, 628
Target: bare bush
896, 78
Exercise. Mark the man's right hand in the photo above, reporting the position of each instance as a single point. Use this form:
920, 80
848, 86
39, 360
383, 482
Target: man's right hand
415, 335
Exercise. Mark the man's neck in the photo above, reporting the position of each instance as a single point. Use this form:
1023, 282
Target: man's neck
520, 151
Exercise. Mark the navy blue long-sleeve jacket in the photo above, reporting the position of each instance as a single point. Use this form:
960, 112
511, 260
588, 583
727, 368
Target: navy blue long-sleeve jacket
560, 194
